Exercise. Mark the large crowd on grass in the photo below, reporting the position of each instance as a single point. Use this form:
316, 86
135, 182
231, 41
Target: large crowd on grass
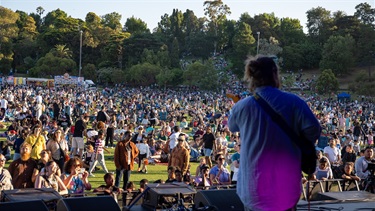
54, 138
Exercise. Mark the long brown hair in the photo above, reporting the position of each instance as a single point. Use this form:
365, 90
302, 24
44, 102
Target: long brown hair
261, 71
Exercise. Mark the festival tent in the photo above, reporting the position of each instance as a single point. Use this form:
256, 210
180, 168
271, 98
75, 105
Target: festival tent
343, 96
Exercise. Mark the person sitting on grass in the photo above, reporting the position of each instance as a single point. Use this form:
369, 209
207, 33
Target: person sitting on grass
109, 188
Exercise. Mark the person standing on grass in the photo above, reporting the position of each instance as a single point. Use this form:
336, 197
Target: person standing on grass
265, 181
79, 131
99, 154
125, 153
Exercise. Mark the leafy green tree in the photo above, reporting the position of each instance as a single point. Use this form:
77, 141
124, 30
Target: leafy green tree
216, 11
292, 57
135, 26
61, 51
327, 82
105, 75
201, 75
165, 77
114, 50
363, 85
199, 45
25, 44
89, 72
163, 58
135, 45
112, 20
311, 52
118, 76
290, 31
8, 31
366, 47
365, 13
175, 54
242, 43
266, 23
338, 54
143, 74
51, 65
319, 24
269, 47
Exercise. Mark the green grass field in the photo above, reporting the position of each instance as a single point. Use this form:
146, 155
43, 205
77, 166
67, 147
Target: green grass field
154, 172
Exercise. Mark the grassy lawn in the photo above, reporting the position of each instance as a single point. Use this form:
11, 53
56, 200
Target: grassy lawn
154, 172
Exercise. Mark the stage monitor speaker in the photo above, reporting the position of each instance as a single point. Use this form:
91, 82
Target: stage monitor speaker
23, 206
48, 195
87, 203
347, 196
335, 205
225, 200
159, 194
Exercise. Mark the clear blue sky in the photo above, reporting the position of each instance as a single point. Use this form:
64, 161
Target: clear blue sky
150, 11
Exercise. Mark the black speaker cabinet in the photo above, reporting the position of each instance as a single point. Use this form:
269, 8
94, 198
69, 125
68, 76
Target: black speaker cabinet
224, 200
347, 196
48, 195
159, 194
88, 203
23, 206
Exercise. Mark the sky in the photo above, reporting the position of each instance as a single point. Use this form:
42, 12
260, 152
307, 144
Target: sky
150, 11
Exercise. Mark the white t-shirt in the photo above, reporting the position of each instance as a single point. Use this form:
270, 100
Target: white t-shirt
39, 99
4, 103
173, 140
332, 153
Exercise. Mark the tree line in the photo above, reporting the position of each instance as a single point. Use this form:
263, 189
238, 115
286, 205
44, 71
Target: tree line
183, 48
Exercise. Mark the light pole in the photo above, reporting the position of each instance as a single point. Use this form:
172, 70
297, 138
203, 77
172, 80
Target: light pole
80, 53
258, 33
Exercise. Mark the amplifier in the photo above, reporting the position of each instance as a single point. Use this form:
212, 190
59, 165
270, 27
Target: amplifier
160, 194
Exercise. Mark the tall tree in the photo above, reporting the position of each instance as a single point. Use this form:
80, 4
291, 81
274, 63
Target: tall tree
113, 21
174, 55
242, 45
338, 54
365, 47
290, 31
135, 26
269, 47
25, 46
327, 82
266, 23
319, 24
8, 31
365, 13
216, 11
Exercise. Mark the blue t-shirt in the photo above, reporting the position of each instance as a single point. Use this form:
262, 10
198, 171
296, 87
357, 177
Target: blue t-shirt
76, 185
236, 157
17, 145
223, 177
266, 150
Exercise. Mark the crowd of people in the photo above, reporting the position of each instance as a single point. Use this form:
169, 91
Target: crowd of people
58, 136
